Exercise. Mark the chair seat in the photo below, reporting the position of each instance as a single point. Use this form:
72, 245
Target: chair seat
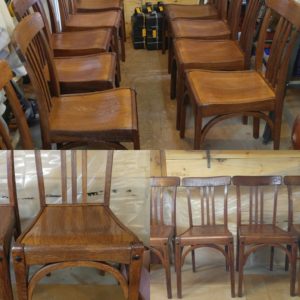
161, 232
77, 225
239, 90
105, 115
264, 233
83, 21
200, 29
7, 219
98, 5
81, 42
86, 73
174, 11
212, 55
207, 233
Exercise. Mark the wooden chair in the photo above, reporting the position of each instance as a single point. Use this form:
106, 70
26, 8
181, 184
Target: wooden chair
26, 139
211, 232
91, 6
163, 222
66, 43
296, 134
255, 230
9, 227
212, 10
206, 29
75, 74
224, 95
72, 21
226, 55
95, 238
109, 117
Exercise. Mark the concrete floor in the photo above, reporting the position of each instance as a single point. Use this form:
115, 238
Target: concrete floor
146, 72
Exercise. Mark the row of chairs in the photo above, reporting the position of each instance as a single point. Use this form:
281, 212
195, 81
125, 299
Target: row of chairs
211, 67
74, 233
257, 199
76, 73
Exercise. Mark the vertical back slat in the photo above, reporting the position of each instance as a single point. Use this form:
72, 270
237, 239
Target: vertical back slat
212, 193
202, 205
84, 176
239, 211
275, 204
63, 160
256, 205
190, 207
226, 205
74, 175
108, 177
251, 205
207, 205
40, 177
161, 206
261, 205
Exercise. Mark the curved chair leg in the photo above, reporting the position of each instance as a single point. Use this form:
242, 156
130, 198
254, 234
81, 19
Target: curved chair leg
173, 79
178, 268
167, 269
198, 129
5, 283
293, 264
194, 261
230, 260
241, 268
227, 258
237, 253
170, 52
256, 128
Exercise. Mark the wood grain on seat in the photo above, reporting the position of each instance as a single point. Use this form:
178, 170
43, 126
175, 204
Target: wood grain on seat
98, 5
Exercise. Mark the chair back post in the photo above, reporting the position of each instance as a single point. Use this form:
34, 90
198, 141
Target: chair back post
54, 17
206, 186
291, 182
256, 186
159, 187
11, 182
233, 17
64, 8
248, 29
108, 177
40, 177
32, 43
5, 82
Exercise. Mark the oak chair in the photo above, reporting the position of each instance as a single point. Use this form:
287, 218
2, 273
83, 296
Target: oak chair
5, 82
66, 43
75, 74
75, 21
9, 226
223, 95
108, 117
213, 233
296, 134
226, 55
163, 221
217, 29
76, 232
254, 229
91, 6
212, 10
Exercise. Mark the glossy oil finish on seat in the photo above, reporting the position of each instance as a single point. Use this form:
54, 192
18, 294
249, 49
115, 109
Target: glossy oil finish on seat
5, 83
98, 5
76, 232
222, 55
109, 117
256, 229
72, 21
227, 94
66, 43
212, 232
163, 221
9, 227
212, 10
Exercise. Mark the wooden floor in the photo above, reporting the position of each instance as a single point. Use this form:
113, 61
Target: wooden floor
146, 71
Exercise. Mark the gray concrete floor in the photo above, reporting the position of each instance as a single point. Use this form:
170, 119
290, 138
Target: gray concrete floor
146, 72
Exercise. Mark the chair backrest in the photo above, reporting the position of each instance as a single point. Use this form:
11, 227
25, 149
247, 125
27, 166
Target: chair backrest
76, 162
221, 7
234, 16
23, 8
11, 187
285, 37
292, 182
249, 28
163, 195
30, 38
296, 134
210, 191
252, 192
5, 82
66, 8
